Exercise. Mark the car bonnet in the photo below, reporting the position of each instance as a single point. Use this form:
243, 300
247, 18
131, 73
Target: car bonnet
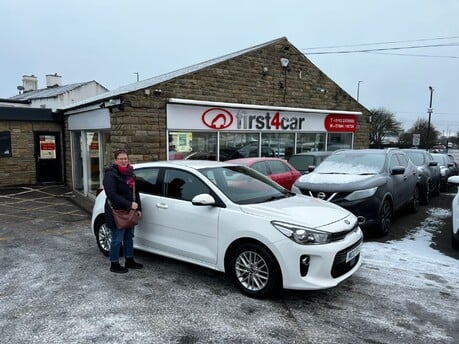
338, 182
300, 210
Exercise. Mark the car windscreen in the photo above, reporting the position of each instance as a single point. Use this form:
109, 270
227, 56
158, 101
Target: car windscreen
243, 185
301, 162
352, 163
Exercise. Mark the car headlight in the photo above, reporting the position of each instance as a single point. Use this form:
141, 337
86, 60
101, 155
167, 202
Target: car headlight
361, 194
302, 235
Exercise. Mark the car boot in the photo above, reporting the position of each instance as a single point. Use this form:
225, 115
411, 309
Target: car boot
117, 268
130, 263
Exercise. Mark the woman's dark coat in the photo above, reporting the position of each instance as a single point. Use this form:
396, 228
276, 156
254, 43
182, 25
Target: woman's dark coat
118, 192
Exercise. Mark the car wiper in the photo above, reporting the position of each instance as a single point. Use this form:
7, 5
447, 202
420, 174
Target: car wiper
333, 173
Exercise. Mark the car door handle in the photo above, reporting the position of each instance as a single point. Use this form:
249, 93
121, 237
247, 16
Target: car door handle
162, 205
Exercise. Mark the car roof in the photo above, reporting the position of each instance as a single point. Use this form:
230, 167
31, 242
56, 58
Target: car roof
195, 164
249, 161
366, 151
319, 153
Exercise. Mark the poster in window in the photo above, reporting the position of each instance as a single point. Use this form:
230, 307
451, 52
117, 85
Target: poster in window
47, 147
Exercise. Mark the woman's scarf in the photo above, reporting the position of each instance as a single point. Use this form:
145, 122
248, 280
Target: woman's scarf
127, 171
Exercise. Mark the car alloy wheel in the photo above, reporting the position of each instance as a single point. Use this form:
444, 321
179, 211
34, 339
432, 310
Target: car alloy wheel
254, 270
103, 237
385, 217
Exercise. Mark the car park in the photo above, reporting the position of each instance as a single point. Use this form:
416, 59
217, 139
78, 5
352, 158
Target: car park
429, 173
371, 183
446, 168
307, 161
276, 169
455, 211
231, 218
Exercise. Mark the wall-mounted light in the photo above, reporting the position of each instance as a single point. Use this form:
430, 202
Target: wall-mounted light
147, 92
284, 62
157, 92
265, 71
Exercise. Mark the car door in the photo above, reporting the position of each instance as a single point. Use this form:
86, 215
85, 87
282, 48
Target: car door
410, 178
175, 227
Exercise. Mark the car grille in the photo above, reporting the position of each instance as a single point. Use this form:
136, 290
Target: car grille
340, 267
341, 235
328, 196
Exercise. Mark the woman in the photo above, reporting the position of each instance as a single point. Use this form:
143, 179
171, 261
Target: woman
119, 186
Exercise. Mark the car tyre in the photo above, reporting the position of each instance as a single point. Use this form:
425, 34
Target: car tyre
254, 270
424, 197
436, 189
414, 204
103, 236
385, 218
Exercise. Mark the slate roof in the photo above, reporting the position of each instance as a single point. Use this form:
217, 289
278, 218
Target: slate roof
168, 76
49, 92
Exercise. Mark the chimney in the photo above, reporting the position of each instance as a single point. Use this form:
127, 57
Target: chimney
29, 82
53, 80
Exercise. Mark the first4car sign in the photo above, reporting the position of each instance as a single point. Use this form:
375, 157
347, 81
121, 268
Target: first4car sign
188, 117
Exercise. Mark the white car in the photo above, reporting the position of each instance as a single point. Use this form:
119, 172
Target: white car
455, 210
230, 218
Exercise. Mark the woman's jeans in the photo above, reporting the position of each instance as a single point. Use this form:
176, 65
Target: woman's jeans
118, 236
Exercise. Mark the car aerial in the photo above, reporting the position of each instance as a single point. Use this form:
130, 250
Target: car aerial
455, 210
231, 218
371, 183
277, 169
307, 161
446, 168
429, 173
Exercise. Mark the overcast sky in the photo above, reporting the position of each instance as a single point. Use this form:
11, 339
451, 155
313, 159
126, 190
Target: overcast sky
110, 40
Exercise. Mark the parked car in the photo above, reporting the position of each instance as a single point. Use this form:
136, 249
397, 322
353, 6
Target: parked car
439, 149
371, 183
446, 168
231, 218
455, 210
456, 165
429, 173
308, 161
277, 169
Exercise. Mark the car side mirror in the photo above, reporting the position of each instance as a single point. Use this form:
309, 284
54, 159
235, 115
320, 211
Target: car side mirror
433, 163
203, 200
450, 164
311, 168
397, 170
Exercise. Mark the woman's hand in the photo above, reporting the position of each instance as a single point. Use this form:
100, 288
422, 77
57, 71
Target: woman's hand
134, 205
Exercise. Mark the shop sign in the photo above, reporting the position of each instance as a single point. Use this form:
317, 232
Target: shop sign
47, 147
341, 123
188, 117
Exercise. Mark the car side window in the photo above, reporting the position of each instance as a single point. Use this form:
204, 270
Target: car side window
403, 161
260, 167
147, 181
393, 161
183, 185
278, 167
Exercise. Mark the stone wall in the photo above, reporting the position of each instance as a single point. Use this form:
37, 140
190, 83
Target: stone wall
20, 168
140, 124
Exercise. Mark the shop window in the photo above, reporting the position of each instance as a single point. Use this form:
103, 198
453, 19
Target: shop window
192, 145
281, 144
310, 142
5, 144
241, 145
337, 141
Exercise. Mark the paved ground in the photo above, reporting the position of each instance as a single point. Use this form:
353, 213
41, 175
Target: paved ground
55, 287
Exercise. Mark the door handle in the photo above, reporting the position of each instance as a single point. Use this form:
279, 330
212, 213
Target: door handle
162, 205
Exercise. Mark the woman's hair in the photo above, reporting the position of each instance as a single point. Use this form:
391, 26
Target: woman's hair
120, 151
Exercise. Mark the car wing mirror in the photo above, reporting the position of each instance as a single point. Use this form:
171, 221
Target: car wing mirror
203, 200
311, 168
450, 164
397, 170
433, 163
453, 180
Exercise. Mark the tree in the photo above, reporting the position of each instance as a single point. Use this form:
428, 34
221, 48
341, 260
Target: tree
383, 123
420, 127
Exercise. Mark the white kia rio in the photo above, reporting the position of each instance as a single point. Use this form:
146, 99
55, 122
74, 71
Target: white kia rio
231, 218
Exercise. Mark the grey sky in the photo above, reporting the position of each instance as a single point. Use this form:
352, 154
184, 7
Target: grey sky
109, 40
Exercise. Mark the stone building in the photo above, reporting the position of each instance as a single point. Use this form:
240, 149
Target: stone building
265, 100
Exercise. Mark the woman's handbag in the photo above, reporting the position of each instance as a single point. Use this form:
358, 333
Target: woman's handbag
125, 219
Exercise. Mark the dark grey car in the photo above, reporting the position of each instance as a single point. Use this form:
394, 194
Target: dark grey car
308, 161
447, 168
429, 173
371, 183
